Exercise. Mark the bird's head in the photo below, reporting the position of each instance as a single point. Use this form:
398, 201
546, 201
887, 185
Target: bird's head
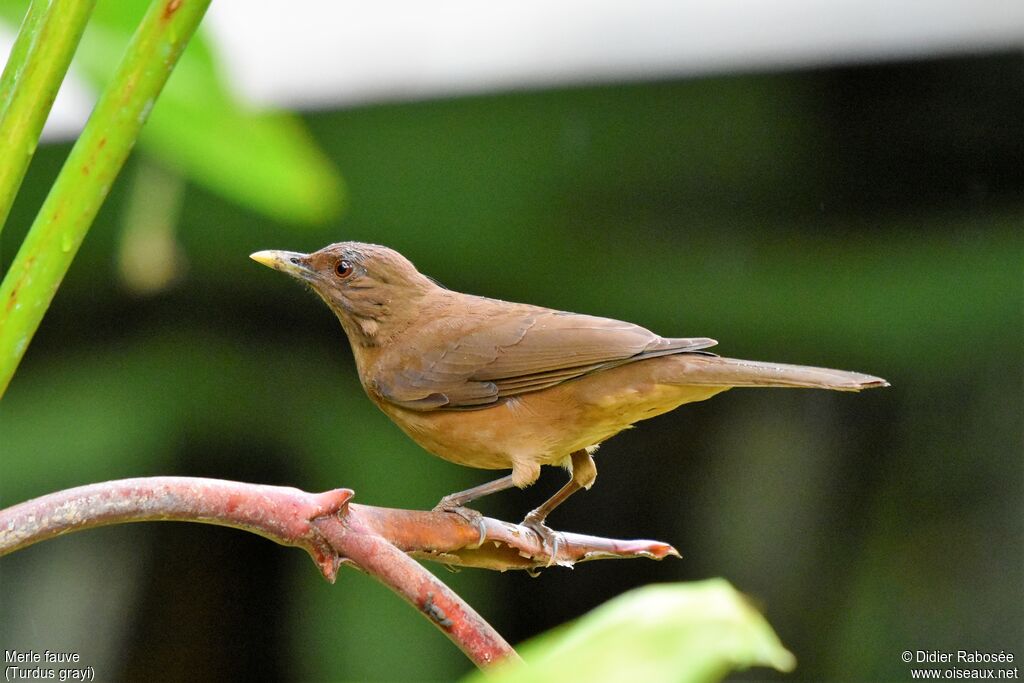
374, 291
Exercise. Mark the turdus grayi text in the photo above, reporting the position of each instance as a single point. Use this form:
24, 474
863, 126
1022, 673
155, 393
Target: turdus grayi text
501, 385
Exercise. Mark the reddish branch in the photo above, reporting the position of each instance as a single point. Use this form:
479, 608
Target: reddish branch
378, 541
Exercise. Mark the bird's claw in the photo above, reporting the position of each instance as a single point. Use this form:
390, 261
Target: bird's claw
468, 514
550, 539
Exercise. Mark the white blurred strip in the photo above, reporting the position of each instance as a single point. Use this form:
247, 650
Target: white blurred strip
331, 53
324, 53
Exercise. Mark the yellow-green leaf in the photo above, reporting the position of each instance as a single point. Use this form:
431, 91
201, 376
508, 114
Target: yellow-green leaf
687, 632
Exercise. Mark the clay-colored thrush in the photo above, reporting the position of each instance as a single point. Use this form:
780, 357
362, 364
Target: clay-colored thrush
500, 385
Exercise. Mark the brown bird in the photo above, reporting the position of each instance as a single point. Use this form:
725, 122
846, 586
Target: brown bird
501, 385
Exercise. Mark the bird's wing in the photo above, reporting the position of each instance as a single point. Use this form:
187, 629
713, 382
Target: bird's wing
518, 350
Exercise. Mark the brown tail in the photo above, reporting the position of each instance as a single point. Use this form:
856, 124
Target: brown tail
731, 372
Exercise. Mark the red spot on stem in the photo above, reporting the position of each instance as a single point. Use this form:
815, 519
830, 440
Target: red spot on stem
171, 8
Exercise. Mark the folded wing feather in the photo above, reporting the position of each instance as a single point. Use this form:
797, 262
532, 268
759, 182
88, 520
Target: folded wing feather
520, 350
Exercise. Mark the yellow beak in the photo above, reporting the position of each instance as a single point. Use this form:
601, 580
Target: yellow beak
288, 262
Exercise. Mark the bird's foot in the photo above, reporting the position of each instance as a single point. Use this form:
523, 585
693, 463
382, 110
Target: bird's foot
550, 539
468, 514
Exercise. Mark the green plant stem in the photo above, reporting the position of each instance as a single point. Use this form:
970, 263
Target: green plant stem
84, 181
27, 33
37, 65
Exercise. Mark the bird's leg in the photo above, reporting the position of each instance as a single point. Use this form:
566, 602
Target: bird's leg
583, 474
455, 502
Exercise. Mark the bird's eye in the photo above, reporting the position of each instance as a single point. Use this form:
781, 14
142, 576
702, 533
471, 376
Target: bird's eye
343, 269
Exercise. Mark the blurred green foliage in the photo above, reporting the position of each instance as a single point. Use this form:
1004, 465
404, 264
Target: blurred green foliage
753, 209
200, 128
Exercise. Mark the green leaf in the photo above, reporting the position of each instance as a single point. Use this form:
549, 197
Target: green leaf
265, 161
692, 632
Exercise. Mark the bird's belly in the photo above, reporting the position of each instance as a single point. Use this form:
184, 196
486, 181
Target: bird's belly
489, 438
545, 426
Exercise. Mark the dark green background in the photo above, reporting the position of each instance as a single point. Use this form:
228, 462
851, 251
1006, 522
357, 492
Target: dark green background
867, 218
